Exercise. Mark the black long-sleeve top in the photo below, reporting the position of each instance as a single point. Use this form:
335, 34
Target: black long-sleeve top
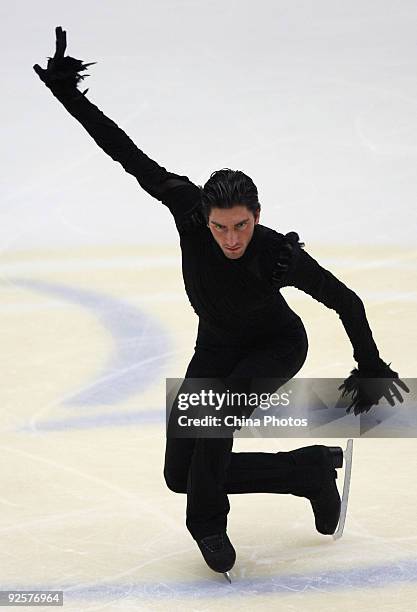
235, 300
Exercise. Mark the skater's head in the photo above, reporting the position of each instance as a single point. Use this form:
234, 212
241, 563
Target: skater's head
231, 209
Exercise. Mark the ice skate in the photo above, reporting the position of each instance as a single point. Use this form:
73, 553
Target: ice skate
218, 553
322, 492
326, 503
329, 510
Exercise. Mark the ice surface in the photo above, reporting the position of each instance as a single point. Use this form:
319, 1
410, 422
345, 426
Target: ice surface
315, 101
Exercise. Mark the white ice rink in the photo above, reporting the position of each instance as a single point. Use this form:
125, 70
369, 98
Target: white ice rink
316, 101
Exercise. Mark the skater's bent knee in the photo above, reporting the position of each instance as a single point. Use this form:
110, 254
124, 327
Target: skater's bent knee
178, 486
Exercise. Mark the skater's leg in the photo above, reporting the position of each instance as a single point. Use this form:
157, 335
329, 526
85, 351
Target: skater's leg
206, 362
207, 502
306, 472
258, 472
215, 470
247, 472
178, 453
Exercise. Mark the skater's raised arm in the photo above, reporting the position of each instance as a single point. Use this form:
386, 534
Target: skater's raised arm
298, 269
62, 76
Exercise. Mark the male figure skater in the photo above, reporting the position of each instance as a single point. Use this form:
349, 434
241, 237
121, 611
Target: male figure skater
233, 268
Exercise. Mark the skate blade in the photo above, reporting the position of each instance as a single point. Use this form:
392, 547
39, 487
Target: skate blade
226, 575
347, 455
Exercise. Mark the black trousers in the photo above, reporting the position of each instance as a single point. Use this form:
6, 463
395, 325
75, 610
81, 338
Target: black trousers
206, 469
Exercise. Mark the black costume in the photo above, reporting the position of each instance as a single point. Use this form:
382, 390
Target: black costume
237, 301
246, 328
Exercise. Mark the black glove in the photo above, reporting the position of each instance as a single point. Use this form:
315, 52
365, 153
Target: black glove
367, 386
62, 73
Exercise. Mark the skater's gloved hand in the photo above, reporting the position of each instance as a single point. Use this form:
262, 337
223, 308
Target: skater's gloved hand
367, 385
62, 73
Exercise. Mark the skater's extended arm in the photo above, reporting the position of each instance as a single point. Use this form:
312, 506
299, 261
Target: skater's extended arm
309, 276
62, 77
373, 379
294, 267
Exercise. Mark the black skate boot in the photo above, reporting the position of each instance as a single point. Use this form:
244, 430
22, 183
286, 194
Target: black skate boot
326, 503
324, 497
218, 552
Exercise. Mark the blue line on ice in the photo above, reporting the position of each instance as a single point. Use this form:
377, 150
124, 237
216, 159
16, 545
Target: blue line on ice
374, 576
92, 421
141, 345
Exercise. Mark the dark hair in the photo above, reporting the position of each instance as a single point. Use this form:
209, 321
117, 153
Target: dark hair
227, 188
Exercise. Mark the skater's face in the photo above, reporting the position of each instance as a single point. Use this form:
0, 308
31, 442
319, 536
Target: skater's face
232, 228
